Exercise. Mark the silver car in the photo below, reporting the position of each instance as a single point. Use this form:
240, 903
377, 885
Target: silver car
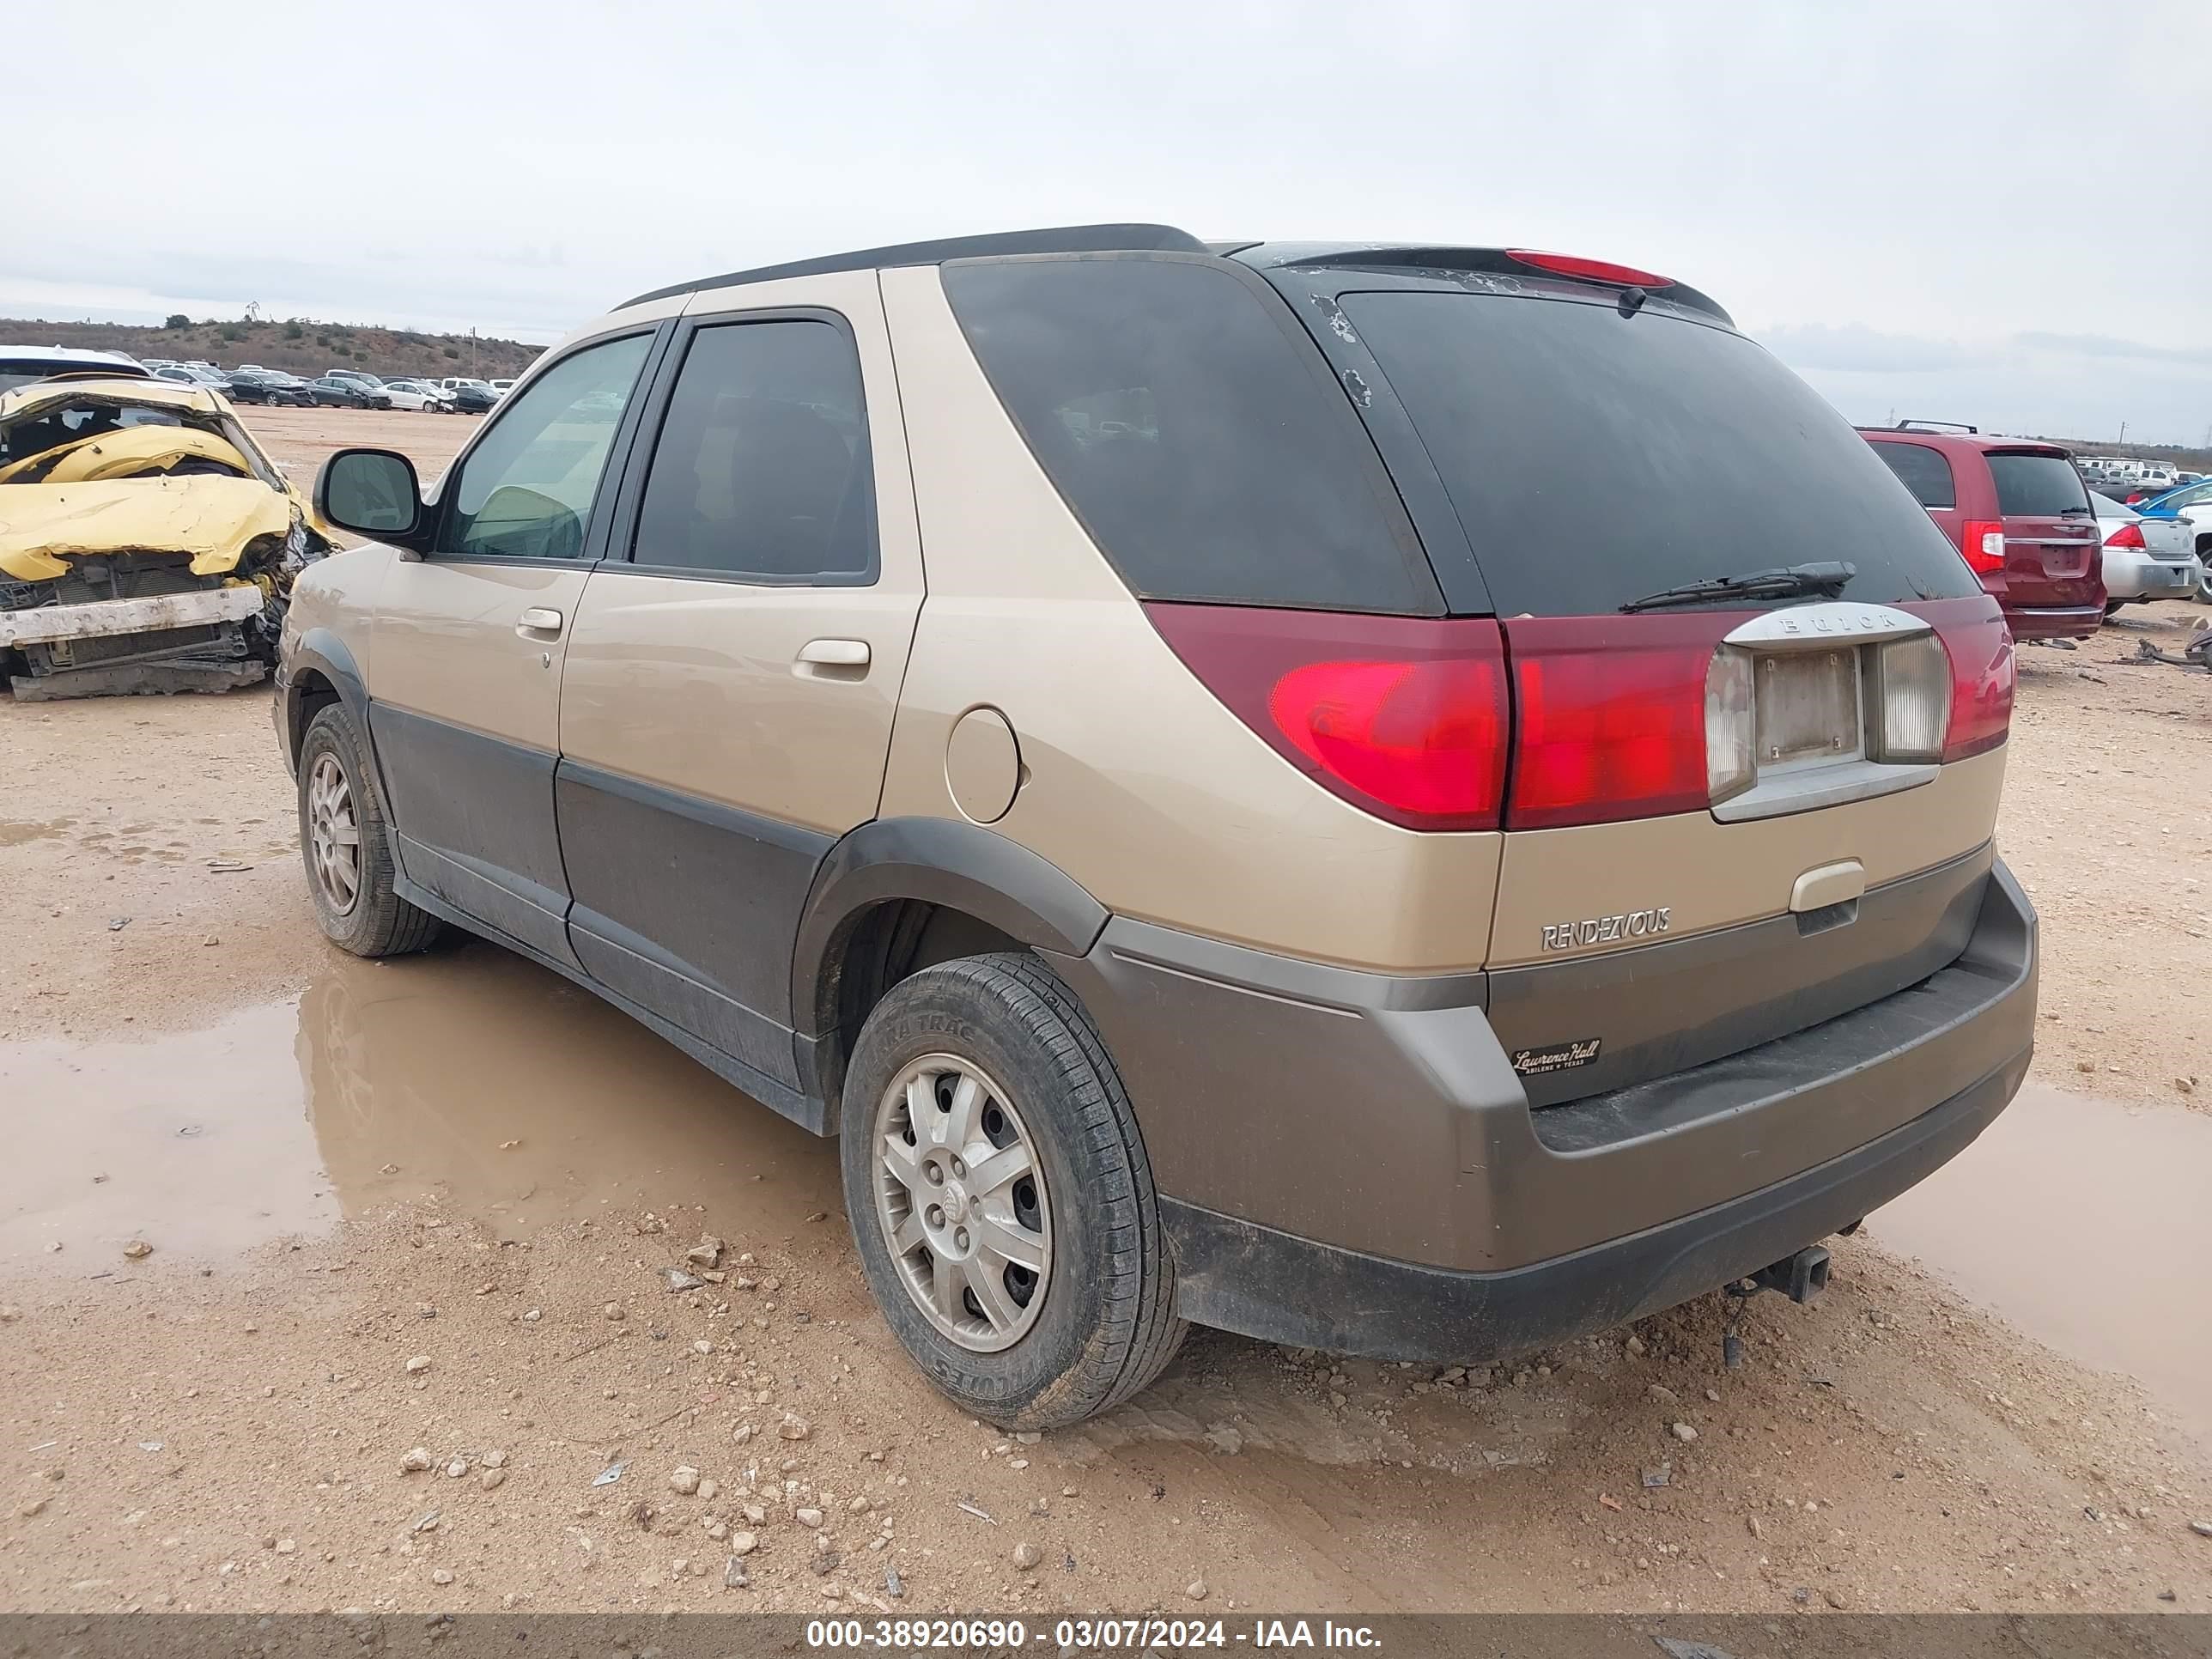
2145, 559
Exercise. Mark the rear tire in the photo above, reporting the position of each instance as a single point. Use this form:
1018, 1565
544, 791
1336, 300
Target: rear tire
345, 842
1006, 1032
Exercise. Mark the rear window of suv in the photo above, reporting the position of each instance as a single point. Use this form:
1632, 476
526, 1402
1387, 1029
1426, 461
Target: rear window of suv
2036, 486
1194, 430
1594, 458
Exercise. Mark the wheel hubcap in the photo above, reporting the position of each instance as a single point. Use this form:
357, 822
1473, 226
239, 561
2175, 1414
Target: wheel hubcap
333, 834
960, 1197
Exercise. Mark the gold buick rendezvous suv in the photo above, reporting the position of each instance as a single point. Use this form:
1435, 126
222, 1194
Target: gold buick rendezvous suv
1414, 801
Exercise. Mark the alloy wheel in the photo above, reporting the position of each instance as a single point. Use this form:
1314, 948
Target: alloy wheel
960, 1196
333, 834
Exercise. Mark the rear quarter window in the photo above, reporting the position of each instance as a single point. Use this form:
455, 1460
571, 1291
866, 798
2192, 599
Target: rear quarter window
2036, 486
1926, 472
1195, 431
1594, 458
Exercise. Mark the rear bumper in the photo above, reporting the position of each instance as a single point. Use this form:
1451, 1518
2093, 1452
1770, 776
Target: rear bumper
2053, 622
1285, 1288
2130, 575
1349, 1161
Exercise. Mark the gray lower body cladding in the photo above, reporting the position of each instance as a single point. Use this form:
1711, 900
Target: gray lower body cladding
1236, 1276
1360, 1132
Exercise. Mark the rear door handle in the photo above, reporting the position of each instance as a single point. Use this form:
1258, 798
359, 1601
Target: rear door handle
834, 654
538, 619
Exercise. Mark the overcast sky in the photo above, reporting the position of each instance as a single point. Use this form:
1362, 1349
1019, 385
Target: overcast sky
1991, 210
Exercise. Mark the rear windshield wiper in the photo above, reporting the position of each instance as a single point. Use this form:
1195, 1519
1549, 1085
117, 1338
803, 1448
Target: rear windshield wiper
1792, 581
2064, 511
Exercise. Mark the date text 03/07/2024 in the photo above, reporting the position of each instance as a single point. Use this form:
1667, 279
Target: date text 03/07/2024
1087, 1635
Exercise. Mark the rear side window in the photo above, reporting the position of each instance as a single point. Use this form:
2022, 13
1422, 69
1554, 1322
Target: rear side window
761, 469
1594, 458
1195, 431
2038, 486
1926, 472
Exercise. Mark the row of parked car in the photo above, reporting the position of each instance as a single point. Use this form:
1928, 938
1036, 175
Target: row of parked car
340, 388
2126, 474
2058, 554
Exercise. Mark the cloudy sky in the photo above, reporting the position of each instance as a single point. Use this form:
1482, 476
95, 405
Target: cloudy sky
1994, 210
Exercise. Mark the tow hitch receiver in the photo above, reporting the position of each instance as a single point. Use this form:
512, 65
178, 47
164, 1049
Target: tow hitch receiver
1801, 1277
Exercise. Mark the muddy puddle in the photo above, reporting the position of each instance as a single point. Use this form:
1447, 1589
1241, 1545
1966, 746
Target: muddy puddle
473, 1080
2086, 1224
468, 1077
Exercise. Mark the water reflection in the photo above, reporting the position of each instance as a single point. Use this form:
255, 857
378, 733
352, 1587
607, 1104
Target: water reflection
468, 1077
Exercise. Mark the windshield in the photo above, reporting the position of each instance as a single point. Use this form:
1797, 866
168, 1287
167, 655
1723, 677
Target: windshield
1594, 458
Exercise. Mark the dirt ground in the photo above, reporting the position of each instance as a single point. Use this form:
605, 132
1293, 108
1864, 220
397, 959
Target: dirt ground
345, 1169
300, 439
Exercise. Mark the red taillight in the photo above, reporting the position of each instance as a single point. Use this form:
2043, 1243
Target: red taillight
1982, 540
1405, 717
2126, 536
1973, 632
1424, 737
1594, 270
1610, 716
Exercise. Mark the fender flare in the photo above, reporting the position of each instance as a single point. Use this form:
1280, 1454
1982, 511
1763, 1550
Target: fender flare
321, 651
941, 861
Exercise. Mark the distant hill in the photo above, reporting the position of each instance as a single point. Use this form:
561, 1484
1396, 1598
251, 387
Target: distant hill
297, 344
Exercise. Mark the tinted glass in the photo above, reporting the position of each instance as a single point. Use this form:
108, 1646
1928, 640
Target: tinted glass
2038, 486
1924, 471
525, 491
1194, 430
1596, 457
762, 468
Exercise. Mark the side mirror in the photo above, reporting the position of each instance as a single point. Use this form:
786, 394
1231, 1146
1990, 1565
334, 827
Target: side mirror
371, 492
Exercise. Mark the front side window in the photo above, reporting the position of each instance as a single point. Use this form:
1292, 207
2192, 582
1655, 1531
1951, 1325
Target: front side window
525, 491
762, 470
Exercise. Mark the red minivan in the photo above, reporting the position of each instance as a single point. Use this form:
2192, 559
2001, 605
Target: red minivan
2019, 514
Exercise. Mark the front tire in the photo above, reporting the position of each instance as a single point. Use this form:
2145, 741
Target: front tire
1000, 1197
345, 841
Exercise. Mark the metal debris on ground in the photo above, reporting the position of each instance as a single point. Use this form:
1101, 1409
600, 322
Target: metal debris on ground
967, 1507
2197, 655
1663, 1475
609, 1476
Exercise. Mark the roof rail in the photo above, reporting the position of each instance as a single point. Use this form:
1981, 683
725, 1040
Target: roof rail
1932, 426
1063, 239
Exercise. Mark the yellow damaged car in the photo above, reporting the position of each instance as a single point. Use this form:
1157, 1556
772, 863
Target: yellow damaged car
147, 543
